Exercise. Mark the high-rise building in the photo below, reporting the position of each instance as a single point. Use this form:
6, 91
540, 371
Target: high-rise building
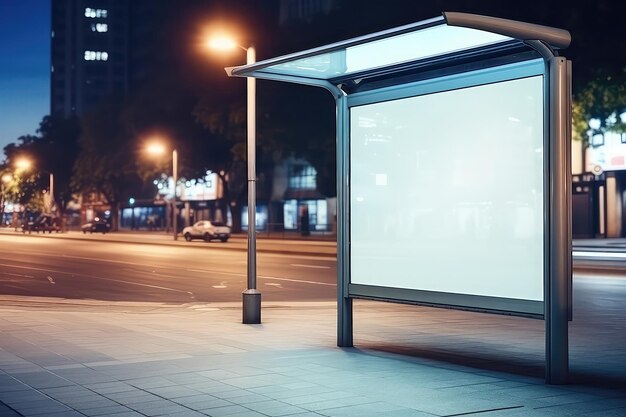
90, 53
304, 10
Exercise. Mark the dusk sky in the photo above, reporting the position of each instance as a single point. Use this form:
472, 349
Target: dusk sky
24, 67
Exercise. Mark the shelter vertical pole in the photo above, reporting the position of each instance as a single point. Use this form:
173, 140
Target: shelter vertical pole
344, 302
557, 284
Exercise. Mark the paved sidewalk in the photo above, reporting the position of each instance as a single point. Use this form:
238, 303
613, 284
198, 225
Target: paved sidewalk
61, 358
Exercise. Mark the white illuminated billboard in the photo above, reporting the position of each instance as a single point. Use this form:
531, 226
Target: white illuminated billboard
446, 191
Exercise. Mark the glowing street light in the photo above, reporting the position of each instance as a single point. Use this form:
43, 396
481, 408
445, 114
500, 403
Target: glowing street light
251, 296
23, 163
26, 164
223, 43
157, 148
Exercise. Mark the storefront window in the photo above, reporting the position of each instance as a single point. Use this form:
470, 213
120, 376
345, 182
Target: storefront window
302, 177
261, 217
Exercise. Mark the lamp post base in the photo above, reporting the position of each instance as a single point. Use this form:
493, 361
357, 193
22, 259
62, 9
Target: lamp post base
251, 307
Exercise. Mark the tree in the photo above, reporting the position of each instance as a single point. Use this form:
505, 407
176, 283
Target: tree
283, 130
52, 150
224, 151
602, 99
57, 153
106, 163
24, 182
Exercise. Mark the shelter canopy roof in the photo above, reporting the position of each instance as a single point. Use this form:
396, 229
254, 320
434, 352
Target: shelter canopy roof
449, 35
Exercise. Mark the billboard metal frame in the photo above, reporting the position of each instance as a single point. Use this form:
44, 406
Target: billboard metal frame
502, 73
443, 72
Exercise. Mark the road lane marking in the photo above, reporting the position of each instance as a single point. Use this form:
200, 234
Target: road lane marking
138, 284
113, 261
32, 268
222, 285
18, 275
273, 284
101, 278
311, 266
302, 281
204, 271
606, 255
50, 279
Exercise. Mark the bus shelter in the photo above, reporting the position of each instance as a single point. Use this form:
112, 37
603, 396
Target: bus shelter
453, 177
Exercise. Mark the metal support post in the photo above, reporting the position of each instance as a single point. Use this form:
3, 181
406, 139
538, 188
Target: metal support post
344, 302
557, 283
251, 296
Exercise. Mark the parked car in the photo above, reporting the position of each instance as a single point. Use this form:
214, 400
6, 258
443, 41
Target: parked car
43, 223
207, 230
97, 225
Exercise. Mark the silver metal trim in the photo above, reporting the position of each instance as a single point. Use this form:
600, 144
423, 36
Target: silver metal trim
557, 38
240, 70
450, 82
531, 68
344, 302
495, 305
313, 82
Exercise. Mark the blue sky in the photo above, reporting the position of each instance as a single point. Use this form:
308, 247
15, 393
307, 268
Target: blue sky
24, 67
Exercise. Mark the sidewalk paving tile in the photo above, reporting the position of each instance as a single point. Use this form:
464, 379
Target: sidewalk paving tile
274, 371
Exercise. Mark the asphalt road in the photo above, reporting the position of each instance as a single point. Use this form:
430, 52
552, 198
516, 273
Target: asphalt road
126, 271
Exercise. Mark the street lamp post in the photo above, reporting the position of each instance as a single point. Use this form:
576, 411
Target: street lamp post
156, 148
51, 191
175, 178
5, 179
131, 201
251, 296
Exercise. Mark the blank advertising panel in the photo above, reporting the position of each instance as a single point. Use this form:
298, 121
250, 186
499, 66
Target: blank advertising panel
446, 191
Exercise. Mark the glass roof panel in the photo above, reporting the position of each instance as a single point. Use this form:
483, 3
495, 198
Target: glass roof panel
406, 47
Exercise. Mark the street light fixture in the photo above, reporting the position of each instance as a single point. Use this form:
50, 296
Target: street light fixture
155, 148
23, 163
251, 296
26, 164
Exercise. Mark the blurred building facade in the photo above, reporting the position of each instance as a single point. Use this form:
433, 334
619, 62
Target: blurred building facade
304, 10
89, 53
101, 48
599, 184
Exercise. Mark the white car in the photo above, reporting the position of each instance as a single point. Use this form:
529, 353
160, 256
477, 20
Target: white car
207, 230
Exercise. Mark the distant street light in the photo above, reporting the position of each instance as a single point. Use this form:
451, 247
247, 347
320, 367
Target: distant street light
156, 148
131, 201
251, 296
26, 164
23, 163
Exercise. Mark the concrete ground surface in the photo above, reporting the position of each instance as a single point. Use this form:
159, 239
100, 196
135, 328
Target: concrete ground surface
61, 358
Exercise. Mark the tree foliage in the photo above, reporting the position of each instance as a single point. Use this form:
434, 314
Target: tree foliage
52, 150
603, 99
106, 162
